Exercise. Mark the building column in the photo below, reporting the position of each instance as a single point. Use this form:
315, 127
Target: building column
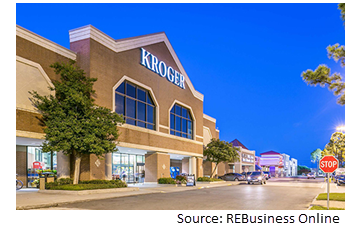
21, 163
192, 165
157, 165
63, 165
208, 168
200, 170
108, 166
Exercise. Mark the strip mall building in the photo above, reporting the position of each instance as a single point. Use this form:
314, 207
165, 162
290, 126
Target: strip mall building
140, 78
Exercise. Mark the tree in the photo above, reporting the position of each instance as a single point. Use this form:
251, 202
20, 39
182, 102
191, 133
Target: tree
302, 169
218, 151
73, 124
315, 156
336, 147
322, 74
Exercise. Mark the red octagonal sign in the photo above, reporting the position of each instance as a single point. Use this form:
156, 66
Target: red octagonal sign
328, 164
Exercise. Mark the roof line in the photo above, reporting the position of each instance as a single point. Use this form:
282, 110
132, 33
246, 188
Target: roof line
91, 32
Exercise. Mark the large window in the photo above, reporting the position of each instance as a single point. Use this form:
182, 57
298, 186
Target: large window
135, 104
181, 123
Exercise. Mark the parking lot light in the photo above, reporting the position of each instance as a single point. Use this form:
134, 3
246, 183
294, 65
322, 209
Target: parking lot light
341, 128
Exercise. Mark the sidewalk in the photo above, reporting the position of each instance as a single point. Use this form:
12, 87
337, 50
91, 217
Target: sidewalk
27, 198
333, 189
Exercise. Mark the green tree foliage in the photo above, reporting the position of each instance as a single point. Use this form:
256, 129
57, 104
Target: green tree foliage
322, 74
315, 156
302, 169
218, 151
73, 124
336, 148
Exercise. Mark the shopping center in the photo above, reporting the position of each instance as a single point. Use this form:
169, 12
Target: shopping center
140, 78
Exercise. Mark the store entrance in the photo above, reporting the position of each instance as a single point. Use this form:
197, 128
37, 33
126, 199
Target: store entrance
128, 167
37, 163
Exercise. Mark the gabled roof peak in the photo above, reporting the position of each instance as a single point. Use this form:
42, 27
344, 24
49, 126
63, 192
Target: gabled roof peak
237, 143
270, 153
91, 32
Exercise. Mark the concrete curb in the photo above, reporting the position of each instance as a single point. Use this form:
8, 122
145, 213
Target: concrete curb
311, 205
47, 205
89, 192
323, 203
102, 191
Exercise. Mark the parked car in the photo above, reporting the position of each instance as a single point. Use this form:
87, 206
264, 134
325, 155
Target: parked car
233, 177
246, 174
311, 175
256, 177
267, 175
340, 180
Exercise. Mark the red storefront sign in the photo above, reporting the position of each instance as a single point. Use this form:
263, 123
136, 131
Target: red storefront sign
37, 165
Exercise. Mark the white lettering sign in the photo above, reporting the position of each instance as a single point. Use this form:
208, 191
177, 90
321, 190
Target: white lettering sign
151, 62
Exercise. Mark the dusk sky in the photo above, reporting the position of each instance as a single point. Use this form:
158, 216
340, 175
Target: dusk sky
246, 59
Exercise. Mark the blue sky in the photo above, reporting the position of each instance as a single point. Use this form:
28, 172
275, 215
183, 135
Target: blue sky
246, 59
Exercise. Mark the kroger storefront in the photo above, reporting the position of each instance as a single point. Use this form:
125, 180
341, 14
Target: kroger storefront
142, 79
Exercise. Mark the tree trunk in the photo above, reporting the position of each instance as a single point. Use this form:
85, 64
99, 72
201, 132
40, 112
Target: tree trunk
76, 169
212, 175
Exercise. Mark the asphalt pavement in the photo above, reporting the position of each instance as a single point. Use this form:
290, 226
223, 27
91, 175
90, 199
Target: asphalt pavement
277, 194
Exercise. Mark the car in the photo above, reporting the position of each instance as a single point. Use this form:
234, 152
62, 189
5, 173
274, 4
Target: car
311, 175
232, 177
256, 177
340, 180
246, 174
267, 175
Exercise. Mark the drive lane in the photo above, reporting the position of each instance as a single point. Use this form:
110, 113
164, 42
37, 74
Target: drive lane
239, 197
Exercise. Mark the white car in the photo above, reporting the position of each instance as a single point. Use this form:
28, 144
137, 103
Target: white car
311, 175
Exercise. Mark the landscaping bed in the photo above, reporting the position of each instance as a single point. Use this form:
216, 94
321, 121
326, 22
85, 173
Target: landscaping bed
67, 184
208, 179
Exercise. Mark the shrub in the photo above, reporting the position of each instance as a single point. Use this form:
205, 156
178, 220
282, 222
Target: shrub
181, 179
59, 182
77, 187
68, 181
166, 180
207, 179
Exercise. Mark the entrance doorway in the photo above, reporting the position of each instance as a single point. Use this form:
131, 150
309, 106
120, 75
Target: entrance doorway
38, 162
128, 167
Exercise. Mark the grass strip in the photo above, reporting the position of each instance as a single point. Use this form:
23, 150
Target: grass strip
332, 196
324, 208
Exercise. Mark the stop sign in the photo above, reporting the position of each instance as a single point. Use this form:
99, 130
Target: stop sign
328, 164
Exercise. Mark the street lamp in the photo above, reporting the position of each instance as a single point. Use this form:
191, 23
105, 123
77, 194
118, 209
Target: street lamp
341, 128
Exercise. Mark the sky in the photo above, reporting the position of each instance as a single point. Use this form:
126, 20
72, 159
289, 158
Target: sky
246, 59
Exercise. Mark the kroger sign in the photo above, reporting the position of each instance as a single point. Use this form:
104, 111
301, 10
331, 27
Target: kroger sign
151, 62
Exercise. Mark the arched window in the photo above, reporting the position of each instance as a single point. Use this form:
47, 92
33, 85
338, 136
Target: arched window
136, 105
181, 123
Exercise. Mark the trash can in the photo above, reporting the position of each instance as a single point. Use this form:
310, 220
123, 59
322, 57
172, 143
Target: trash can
42, 182
45, 178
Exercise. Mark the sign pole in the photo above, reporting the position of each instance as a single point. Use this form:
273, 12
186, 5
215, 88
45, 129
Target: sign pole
327, 191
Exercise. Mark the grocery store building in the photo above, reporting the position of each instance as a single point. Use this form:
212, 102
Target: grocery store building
140, 78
